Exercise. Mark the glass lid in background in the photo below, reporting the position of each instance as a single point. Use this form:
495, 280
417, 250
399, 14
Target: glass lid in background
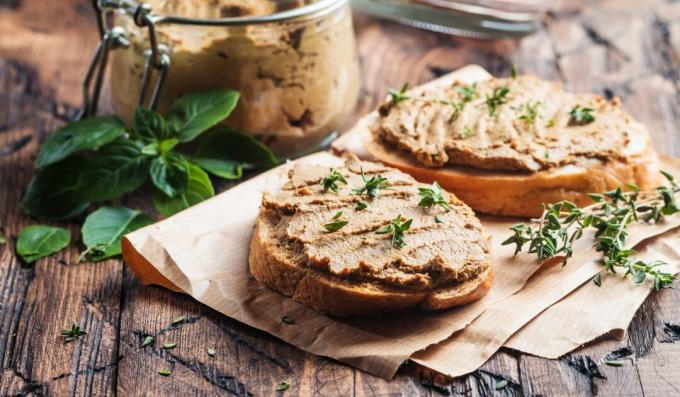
216, 9
472, 18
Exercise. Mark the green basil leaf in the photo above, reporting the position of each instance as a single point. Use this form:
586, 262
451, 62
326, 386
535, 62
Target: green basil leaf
229, 144
103, 229
56, 191
149, 126
77, 136
199, 189
195, 113
170, 174
38, 241
226, 169
116, 169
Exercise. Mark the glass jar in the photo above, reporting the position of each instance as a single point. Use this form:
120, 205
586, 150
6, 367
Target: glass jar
295, 63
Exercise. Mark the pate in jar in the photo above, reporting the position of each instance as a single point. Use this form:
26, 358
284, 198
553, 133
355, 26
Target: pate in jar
294, 62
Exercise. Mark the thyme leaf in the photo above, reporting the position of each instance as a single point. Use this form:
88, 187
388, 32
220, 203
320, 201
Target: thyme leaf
498, 98
399, 96
530, 112
432, 196
371, 186
336, 223
331, 181
467, 92
397, 229
73, 333
581, 116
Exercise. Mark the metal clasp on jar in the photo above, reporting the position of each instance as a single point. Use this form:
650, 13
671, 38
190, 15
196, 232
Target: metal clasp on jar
114, 37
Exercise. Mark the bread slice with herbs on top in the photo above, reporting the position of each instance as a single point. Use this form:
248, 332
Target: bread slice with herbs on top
507, 146
365, 238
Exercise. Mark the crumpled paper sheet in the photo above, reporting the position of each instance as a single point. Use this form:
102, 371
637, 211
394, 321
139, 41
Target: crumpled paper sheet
203, 250
590, 312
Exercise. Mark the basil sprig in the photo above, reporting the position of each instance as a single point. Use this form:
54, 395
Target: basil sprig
99, 159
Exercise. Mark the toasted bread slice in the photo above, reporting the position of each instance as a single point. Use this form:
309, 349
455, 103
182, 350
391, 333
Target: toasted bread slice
523, 194
289, 259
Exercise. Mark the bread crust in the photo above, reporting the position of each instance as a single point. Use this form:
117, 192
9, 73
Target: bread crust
340, 297
523, 194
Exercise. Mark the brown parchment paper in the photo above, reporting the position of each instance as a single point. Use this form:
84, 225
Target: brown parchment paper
590, 311
203, 252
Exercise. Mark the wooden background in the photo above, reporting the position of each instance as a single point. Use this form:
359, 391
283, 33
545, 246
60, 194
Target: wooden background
625, 48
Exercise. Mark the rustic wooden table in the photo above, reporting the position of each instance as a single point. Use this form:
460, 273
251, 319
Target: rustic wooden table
625, 48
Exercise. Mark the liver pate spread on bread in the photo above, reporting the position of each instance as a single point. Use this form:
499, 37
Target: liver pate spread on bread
442, 249
521, 124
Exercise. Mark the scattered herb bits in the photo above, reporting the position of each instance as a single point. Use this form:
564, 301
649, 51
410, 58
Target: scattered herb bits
165, 372
147, 341
437, 219
530, 112
467, 92
330, 182
396, 228
598, 279
614, 363
433, 196
336, 223
501, 384
513, 71
39, 241
287, 320
399, 96
178, 320
73, 333
498, 98
581, 116
361, 205
169, 345
283, 385
372, 186
211, 352
467, 132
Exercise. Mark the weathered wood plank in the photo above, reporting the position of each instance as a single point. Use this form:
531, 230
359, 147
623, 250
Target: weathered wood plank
629, 49
39, 302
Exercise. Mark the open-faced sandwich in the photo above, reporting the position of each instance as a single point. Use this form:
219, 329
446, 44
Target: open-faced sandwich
364, 238
506, 146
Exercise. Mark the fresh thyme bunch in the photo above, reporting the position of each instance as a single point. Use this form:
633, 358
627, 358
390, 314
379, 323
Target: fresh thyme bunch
562, 223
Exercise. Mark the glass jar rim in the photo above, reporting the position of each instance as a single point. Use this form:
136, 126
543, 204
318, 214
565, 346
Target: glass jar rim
316, 9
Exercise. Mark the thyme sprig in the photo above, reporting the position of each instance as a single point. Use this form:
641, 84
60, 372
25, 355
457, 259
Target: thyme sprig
432, 196
399, 96
468, 92
372, 186
581, 115
73, 333
530, 112
563, 223
331, 181
397, 229
498, 98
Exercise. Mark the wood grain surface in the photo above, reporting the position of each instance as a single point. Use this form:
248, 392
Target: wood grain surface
628, 48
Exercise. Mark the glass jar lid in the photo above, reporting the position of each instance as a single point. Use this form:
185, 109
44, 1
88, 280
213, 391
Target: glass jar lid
225, 12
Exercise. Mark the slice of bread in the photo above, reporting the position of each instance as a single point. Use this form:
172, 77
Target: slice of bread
522, 194
494, 173
361, 272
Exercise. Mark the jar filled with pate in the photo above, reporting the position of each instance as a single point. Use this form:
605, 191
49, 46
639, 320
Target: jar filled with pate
294, 63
